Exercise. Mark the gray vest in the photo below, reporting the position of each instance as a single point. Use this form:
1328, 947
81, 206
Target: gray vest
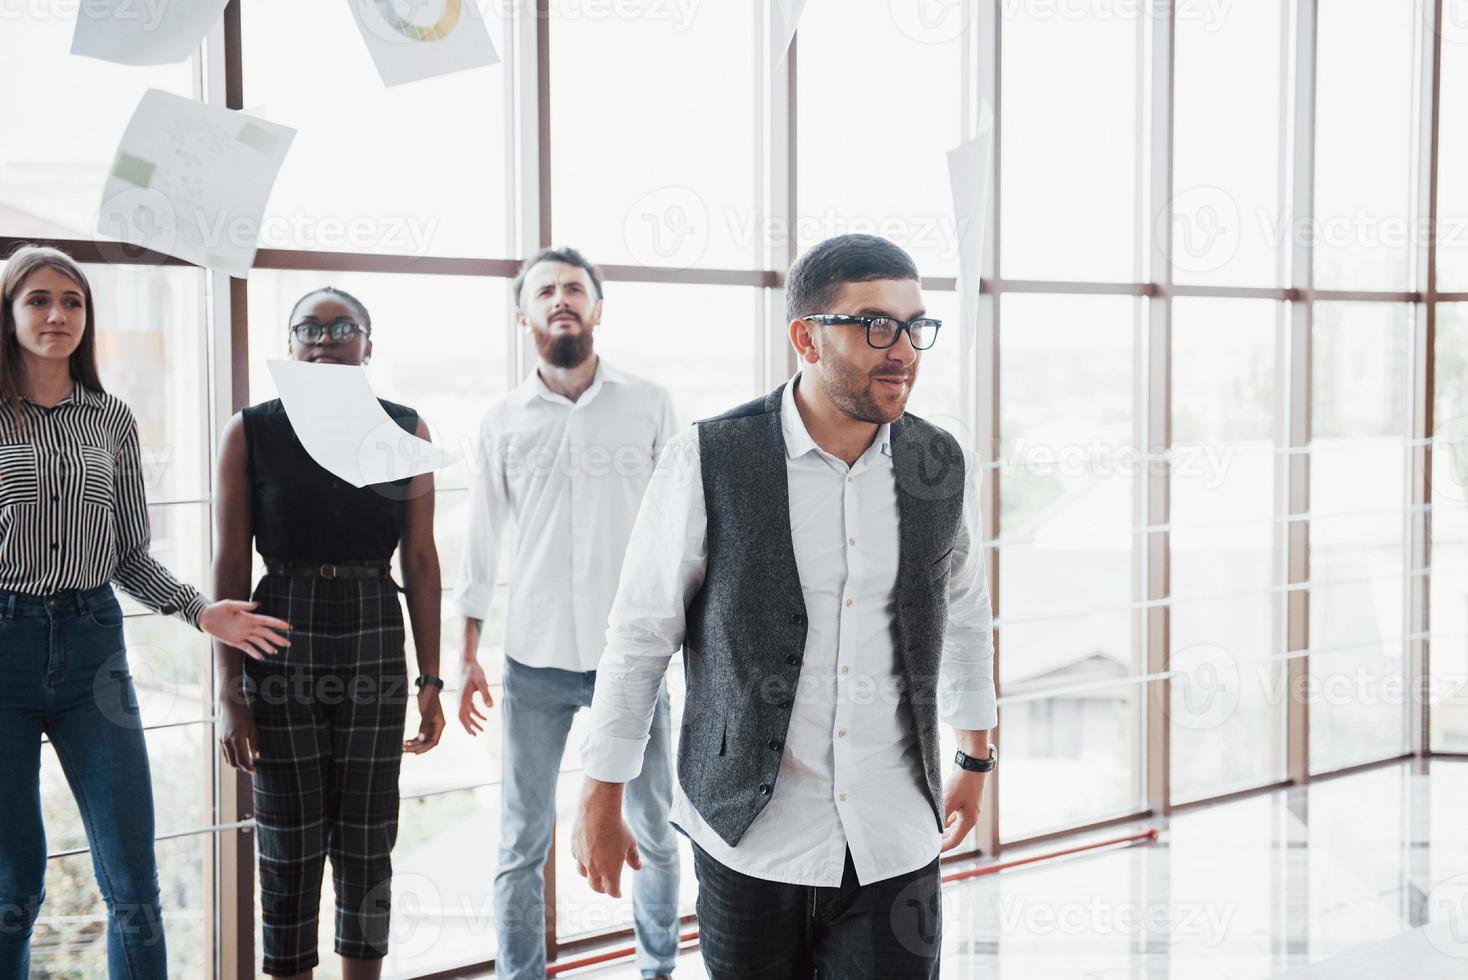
746, 626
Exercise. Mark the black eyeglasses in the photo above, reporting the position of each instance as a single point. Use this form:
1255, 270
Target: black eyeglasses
311, 332
883, 331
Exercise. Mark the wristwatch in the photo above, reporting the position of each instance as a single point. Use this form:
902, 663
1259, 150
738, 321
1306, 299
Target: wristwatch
428, 680
970, 764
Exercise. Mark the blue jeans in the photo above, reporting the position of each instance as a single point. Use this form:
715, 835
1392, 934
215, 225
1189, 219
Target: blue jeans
536, 708
65, 674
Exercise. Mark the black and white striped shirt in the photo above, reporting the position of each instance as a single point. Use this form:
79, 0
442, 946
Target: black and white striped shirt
72, 509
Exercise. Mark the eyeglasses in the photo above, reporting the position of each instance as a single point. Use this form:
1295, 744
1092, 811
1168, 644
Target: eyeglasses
883, 331
311, 332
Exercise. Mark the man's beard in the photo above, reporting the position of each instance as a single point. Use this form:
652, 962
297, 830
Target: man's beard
568, 350
850, 390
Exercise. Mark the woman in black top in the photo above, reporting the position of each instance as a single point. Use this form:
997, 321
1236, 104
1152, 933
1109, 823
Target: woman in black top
73, 519
321, 729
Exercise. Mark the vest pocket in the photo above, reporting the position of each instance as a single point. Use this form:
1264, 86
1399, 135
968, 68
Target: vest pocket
19, 475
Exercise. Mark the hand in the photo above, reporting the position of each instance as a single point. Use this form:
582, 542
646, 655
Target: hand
473, 679
237, 734
601, 839
430, 729
961, 807
231, 622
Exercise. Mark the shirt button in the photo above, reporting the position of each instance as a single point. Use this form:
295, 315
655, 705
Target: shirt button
842, 797
850, 479
849, 602
55, 546
851, 541
55, 498
845, 670
841, 733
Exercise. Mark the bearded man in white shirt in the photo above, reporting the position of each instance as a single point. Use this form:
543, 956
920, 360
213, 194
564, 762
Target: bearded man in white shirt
817, 555
566, 457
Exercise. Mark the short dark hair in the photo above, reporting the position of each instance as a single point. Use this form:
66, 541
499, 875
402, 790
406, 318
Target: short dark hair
342, 295
818, 275
560, 253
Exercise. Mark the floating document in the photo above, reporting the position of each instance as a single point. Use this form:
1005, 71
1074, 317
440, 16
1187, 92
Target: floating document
968, 172
345, 429
143, 32
406, 45
191, 180
784, 18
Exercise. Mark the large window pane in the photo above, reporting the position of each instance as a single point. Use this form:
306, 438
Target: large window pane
1448, 601
1227, 210
1357, 499
874, 132
1452, 187
628, 185
1226, 702
1067, 473
1364, 145
411, 170
58, 148
1071, 153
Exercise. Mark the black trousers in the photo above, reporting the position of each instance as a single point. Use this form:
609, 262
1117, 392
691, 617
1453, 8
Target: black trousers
329, 712
766, 930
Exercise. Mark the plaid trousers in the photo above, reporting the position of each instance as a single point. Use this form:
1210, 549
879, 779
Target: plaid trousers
329, 713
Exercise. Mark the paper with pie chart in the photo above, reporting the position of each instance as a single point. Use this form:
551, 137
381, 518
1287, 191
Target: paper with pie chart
411, 40
135, 32
344, 427
969, 164
191, 180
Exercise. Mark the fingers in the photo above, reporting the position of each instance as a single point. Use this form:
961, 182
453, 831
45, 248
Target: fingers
255, 648
633, 858
226, 748
271, 636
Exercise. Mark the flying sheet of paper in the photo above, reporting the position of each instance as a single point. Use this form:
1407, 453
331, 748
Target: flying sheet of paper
408, 42
191, 180
345, 429
143, 32
784, 18
968, 173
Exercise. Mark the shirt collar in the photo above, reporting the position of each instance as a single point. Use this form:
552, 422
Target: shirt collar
533, 387
80, 395
798, 439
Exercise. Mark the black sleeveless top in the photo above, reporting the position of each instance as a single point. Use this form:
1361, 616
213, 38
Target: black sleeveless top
301, 512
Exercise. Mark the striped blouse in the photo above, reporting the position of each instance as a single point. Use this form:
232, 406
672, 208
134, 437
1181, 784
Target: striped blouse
72, 510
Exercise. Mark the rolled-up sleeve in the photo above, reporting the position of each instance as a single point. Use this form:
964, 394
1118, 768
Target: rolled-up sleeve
663, 569
967, 698
489, 512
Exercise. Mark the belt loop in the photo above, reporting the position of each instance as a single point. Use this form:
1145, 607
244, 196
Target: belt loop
81, 605
10, 607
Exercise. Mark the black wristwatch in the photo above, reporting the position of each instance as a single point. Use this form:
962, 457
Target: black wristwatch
428, 680
970, 764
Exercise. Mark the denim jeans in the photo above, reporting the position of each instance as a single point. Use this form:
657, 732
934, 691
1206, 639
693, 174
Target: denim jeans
753, 929
536, 708
65, 674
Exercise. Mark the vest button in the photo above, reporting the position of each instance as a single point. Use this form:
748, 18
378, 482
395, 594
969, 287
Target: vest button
796, 619
792, 658
764, 789
775, 744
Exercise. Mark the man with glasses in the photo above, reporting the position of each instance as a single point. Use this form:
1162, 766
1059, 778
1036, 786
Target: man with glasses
817, 555
566, 457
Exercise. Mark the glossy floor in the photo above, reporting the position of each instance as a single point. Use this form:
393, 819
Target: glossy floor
1362, 875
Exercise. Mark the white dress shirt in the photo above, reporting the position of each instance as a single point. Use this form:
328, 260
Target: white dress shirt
571, 476
850, 771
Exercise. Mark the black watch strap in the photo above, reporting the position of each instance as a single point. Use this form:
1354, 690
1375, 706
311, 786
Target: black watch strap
970, 764
428, 680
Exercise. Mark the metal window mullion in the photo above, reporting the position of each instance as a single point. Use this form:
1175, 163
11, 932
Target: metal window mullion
981, 406
1298, 348
1155, 546
1417, 618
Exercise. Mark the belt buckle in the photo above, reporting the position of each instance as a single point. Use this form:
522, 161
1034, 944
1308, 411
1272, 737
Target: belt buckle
328, 571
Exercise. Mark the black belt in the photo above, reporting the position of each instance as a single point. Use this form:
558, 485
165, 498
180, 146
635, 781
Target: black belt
341, 569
